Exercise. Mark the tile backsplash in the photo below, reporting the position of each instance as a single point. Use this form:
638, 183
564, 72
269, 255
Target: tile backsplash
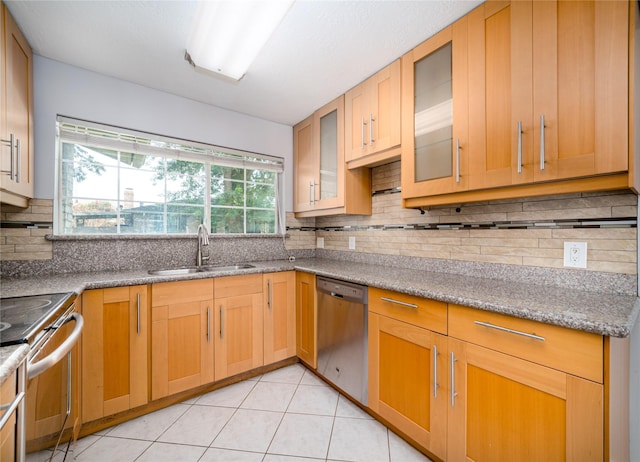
523, 232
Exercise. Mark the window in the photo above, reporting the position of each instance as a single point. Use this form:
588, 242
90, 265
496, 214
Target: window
118, 181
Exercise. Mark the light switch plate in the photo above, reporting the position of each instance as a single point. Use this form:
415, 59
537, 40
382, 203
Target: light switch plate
575, 254
320, 243
352, 243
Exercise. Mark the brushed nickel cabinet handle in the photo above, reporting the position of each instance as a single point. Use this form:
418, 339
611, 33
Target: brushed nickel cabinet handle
398, 302
208, 324
138, 311
435, 371
12, 167
371, 120
18, 161
362, 135
519, 146
510, 331
221, 321
453, 379
542, 142
269, 294
457, 160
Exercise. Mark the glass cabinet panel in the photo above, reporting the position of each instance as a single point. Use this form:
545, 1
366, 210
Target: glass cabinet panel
329, 155
433, 115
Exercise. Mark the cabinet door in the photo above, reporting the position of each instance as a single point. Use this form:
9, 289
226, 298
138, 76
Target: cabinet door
306, 347
580, 87
505, 408
181, 343
279, 316
17, 118
372, 114
304, 160
435, 114
500, 31
408, 380
239, 341
114, 353
329, 141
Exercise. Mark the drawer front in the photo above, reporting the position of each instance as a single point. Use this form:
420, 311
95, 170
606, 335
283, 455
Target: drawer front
167, 293
568, 350
233, 286
421, 312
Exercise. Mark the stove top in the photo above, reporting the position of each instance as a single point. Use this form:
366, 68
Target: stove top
22, 317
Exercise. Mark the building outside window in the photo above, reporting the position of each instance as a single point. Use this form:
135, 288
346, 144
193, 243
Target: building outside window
119, 181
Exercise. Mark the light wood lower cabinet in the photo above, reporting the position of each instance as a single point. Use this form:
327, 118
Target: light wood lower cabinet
495, 388
114, 351
506, 408
239, 342
404, 387
306, 338
182, 330
279, 316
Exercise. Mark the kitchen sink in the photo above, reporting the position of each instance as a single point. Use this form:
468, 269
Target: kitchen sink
199, 269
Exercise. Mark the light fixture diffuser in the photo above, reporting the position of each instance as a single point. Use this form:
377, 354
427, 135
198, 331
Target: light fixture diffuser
228, 35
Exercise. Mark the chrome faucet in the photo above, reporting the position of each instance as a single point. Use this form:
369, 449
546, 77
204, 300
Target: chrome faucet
203, 245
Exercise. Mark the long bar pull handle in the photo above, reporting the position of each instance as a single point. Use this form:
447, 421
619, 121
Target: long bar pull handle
542, 142
457, 160
453, 379
37, 368
510, 331
12, 168
519, 146
18, 161
362, 137
138, 310
311, 193
208, 324
435, 371
398, 302
221, 321
371, 120
269, 294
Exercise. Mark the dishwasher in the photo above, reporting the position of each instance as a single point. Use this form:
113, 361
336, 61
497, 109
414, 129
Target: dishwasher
342, 335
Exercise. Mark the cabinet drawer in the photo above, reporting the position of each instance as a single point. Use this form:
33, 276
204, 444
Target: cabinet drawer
167, 293
572, 351
418, 311
233, 286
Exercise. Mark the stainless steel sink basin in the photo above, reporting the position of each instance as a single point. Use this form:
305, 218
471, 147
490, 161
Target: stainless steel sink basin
199, 269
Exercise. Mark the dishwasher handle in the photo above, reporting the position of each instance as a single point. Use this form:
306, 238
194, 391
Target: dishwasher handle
336, 295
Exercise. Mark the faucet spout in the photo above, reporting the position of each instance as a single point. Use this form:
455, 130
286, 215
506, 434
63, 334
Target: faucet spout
203, 245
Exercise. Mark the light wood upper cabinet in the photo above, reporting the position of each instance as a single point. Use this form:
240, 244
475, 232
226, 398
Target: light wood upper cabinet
16, 114
548, 91
306, 316
115, 351
372, 117
435, 115
238, 328
181, 333
279, 316
322, 183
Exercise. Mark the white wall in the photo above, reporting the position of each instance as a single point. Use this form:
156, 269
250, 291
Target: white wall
60, 89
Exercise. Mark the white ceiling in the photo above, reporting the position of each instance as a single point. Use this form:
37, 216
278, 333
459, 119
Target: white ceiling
321, 49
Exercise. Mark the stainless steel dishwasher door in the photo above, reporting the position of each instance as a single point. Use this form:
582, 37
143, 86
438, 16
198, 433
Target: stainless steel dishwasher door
342, 335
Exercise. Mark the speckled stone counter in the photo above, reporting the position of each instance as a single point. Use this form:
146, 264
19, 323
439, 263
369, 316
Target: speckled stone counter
10, 359
611, 315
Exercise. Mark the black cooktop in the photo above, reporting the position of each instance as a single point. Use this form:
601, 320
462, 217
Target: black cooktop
21, 318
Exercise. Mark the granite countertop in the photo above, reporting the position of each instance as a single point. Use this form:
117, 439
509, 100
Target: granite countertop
10, 359
604, 314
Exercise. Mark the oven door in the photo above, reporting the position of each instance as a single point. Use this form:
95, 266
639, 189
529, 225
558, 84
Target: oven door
52, 389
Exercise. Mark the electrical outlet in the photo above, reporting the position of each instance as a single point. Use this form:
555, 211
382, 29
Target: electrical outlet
320, 243
352, 243
575, 254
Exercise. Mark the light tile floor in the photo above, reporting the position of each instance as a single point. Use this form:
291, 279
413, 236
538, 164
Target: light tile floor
288, 415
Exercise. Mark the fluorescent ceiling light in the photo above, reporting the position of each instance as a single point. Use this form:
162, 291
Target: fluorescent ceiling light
229, 34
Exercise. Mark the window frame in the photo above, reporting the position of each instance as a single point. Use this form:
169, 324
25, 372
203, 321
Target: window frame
136, 142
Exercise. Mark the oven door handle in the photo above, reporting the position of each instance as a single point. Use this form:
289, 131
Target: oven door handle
37, 368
